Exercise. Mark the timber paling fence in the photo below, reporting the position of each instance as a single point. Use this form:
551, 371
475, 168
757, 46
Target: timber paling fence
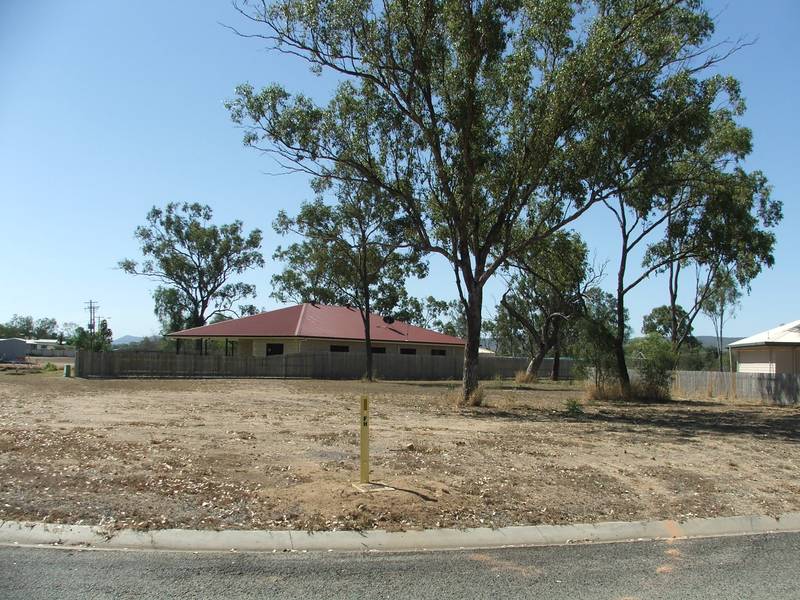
321, 365
780, 388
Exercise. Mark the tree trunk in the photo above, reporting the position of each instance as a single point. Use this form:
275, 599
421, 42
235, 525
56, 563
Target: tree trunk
536, 361
719, 339
619, 338
619, 350
473, 318
555, 375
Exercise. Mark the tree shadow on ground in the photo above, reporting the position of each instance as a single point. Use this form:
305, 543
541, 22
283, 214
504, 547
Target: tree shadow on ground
671, 419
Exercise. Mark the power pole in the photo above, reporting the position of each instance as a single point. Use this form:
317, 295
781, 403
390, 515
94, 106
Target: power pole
92, 307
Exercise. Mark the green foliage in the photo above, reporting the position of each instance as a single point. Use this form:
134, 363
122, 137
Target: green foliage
99, 341
50, 367
354, 253
545, 294
659, 321
593, 344
27, 327
490, 125
574, 408
654, 359
195, 261
440, 315
720, 303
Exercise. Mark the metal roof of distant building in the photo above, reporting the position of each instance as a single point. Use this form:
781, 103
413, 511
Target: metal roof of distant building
783, 335
319, 321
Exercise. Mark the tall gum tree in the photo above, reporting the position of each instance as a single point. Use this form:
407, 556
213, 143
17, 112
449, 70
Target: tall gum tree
354, 252
479, 119
698, 207
194, 260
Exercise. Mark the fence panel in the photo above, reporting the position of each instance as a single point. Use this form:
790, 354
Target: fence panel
779, 388
321, 365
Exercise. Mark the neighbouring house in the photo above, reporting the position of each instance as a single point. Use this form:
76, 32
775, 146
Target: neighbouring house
317, 328
13, 350
35, 345
775, 351
49, 348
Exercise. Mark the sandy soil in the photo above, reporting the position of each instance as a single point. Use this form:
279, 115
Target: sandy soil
283, 454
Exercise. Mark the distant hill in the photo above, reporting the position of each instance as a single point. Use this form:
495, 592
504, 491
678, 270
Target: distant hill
127, 339
709, 341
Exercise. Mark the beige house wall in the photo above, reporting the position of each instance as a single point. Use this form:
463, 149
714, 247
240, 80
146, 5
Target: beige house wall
769, 359
257, 346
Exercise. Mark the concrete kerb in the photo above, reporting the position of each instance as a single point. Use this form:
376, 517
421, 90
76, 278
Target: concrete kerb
85, 536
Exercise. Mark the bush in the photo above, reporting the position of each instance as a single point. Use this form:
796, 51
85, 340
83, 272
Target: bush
654, 361
574, 408
48, 366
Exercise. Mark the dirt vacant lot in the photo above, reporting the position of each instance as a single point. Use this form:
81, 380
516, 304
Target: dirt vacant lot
283, 454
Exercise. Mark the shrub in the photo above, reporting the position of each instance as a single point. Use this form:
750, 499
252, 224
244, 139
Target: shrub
654, 360
48, 366
574, 408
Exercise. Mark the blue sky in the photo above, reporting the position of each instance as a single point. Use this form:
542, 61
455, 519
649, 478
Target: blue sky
109, 108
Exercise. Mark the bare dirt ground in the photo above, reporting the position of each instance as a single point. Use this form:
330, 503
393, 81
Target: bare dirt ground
283, 454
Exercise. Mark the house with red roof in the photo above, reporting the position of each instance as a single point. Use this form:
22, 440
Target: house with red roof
321, 328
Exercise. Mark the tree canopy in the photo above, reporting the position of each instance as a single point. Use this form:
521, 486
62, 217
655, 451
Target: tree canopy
478, 117
353, 252
195, 261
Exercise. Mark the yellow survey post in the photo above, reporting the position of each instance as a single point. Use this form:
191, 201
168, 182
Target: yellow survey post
364, 439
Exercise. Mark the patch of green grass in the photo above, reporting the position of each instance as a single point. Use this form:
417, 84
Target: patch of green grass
574, 408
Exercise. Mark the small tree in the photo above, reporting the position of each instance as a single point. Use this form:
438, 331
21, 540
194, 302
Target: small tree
99, 341
195, 260
655, 359
721, 303
592, 344
545, 291
353, 253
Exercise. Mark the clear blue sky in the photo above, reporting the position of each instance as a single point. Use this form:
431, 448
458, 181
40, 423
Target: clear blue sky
109, 108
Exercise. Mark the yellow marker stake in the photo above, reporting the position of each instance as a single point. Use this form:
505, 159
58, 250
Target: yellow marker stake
364, 439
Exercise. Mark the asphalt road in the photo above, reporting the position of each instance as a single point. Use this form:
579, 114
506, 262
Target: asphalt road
766, 566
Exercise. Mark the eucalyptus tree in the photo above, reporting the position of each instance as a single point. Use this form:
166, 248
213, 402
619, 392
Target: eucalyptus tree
475, 117
353, 252
545, 292
195, 261
721, 299
697, 206
671, 322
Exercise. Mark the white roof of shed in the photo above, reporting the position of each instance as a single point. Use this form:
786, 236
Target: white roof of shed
784, 335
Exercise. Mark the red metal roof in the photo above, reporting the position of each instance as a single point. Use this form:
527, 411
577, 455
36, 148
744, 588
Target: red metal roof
319, 321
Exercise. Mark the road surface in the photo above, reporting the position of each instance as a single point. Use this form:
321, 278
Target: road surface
765, 566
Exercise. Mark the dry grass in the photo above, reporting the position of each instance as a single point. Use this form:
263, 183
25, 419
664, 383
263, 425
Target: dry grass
524, 377
612, 392
283, 454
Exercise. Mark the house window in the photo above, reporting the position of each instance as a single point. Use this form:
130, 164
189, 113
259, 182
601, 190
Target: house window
438, 352
274, 349
408, 350
379, 349
335, 348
